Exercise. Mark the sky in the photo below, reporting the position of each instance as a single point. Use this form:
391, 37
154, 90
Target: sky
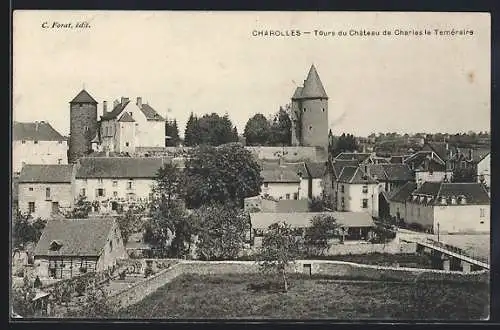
203, 62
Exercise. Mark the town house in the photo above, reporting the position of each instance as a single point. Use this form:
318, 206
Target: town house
428, 167
317, 174
449, 207
69, 248
45, 190
397, 201
280, 182
108, 182
37, 143
390, 176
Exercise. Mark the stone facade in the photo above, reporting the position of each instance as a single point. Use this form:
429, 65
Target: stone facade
83, 128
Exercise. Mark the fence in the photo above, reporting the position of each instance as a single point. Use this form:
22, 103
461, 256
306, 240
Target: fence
457, 250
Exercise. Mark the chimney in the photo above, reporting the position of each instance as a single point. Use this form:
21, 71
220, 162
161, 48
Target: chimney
36, 126
139, 102
115, 103
104, 107
124, 100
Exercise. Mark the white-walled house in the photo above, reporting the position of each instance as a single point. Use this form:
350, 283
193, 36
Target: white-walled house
398, 199
428, 167
45, 190
129, 126
356, 191
484, 171
37, 143
450, 207
69, 248
317, 174
280, 182
116, 180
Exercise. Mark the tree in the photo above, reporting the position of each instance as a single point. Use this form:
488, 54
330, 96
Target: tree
22, 299
257, 130
130, 222
228, 173
281, 129
215, 130
346, 143
81, 209
192, 132
316, 239
26, 230
222, 231
172, 131
280, 247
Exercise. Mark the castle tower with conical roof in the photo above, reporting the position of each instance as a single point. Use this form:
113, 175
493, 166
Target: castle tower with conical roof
83, 125
310, 113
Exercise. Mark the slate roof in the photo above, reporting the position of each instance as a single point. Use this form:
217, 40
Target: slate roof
338, 165
151, 113
418, 159
402, 193
298, 93
41, 131
116, 111
299, 167
313, 88
145, 108
126, 117
118, 167
474, 193
440, 149
83, 97
79, 237
396, 159
280, 175
391, 172
358, 156
262, 220
316, 169
46, 174
355, 175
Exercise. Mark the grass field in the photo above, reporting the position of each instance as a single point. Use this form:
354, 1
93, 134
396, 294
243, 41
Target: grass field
228, 297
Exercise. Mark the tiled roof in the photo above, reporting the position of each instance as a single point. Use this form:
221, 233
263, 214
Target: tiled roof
126, 117
418, 159
313, 88
299, 167
118, 167
355, 175
39, 131
398, 172
292, 205
400, 195
82, 237
397, 159
297, 94
46, 174
280, 175
83, 97
116, 111
338, 165
474, 193
358, 156
261, 220
151, 113
440, 148
316, 169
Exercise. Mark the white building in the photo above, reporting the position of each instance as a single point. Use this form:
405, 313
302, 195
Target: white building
111, 181
450, 207
129, 126
45, 190
280, 182
398, 199
37, 143
483, 171
428, 167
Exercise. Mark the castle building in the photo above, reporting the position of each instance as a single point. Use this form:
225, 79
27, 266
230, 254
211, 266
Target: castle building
309, 113
83, 125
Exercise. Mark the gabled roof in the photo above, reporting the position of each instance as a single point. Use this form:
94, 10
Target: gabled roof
262, 220
37, 131
79, 237
116, 111
474, 193
316, 169
338, 165
440, 148
151, 113
355, 175
118, 167
83, 97
126, 117
401, 194
46, 174
397, 159
358, 156
280, 175
418, 159
313, 88
391, 172
298, 167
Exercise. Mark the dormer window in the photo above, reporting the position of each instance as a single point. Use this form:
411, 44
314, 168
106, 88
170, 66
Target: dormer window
462, 200
453, 200
55, 246
414, 198
443, 200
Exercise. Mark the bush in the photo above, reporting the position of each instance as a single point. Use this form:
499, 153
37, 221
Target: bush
148, 272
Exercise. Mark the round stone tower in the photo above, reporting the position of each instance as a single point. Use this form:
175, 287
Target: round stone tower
83, 125
310, 103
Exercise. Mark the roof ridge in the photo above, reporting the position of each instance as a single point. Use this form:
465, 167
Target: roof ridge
354, 175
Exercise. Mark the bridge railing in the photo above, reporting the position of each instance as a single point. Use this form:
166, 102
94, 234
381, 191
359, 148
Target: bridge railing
457, 250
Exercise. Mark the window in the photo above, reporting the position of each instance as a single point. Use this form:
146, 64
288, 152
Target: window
85, 128
481, 213
82, 192
60, 142
23, 142
287, 196
81, 105
295, 196
130, 113
126, 144
30, 188
323, 109
99, 180
115, 183
365, 189
342, 188
100, 192
47, 193
129, 185
310, 128
111, 245
35, 142
59, 161
304, 109
115, 193
342, 203
365, 203
31, 207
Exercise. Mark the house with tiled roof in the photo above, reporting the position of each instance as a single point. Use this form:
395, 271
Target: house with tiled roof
428, 166
37, 143
68, 248
390, 176
397, 201
356, 191
45, 191
129, 125
449, 207
109, 182
318, 178
360, 157
281, 181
